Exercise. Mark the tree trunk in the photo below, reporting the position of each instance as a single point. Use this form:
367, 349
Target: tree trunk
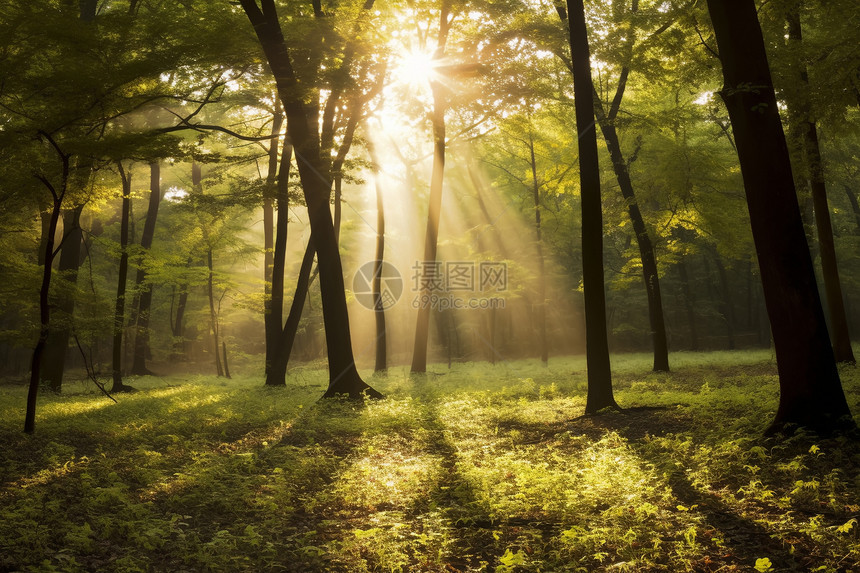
810, 390
541, 286
381, 363
57, 344
44, 303
291, 327
818, 187
643, 238
213, 314
119, 309
272, 323
276, 361
141, 339
431, 236
226, 366
600, 394
177, 324
302, 130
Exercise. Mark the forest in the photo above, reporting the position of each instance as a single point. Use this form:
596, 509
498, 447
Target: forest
429, 285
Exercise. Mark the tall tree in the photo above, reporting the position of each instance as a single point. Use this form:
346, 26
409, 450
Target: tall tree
302, 131
801, 111
600, 394
431, 236
271, 319
57, 345
381, 363
119, 309
58, 193
142, 287
810, 390
541, 272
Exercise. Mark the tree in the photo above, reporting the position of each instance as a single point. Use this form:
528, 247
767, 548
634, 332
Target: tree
422, 325
810, 391
142, 287
303, 134
381, 363
57, 345
801, 112
600, 394
119, 309
58, 193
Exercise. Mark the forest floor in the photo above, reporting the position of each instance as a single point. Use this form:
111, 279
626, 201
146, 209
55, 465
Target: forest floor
477, 468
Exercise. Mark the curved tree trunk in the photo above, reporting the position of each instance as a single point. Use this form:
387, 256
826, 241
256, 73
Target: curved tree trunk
810, 390
302, 130
141, 338
44, 304
600, 394
643, 238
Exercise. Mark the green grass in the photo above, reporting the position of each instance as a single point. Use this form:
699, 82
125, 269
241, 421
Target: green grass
477, 468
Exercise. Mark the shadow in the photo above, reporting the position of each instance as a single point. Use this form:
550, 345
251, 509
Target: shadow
745, 540
472, 541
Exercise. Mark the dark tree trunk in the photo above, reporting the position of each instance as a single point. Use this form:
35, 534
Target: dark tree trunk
643, 238
213, 313
141, 339
226, 366
276, 361
57, 345
88, 9
541, 286
177, 325
810, 391
431, 236
44, 303
291, 327
302, 130
272, 322
600, 394
119, 309
818, 188
689, 304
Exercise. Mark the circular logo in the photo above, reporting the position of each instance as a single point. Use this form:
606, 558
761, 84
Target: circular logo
390, 285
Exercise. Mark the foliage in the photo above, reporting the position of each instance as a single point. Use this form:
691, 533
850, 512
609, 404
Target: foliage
488, 468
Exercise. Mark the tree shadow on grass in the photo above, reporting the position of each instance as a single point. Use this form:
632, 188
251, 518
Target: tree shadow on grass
745, 540
477, 540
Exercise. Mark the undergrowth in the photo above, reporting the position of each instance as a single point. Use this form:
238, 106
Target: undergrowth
473, 468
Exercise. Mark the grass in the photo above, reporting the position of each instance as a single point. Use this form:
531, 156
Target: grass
477, 468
